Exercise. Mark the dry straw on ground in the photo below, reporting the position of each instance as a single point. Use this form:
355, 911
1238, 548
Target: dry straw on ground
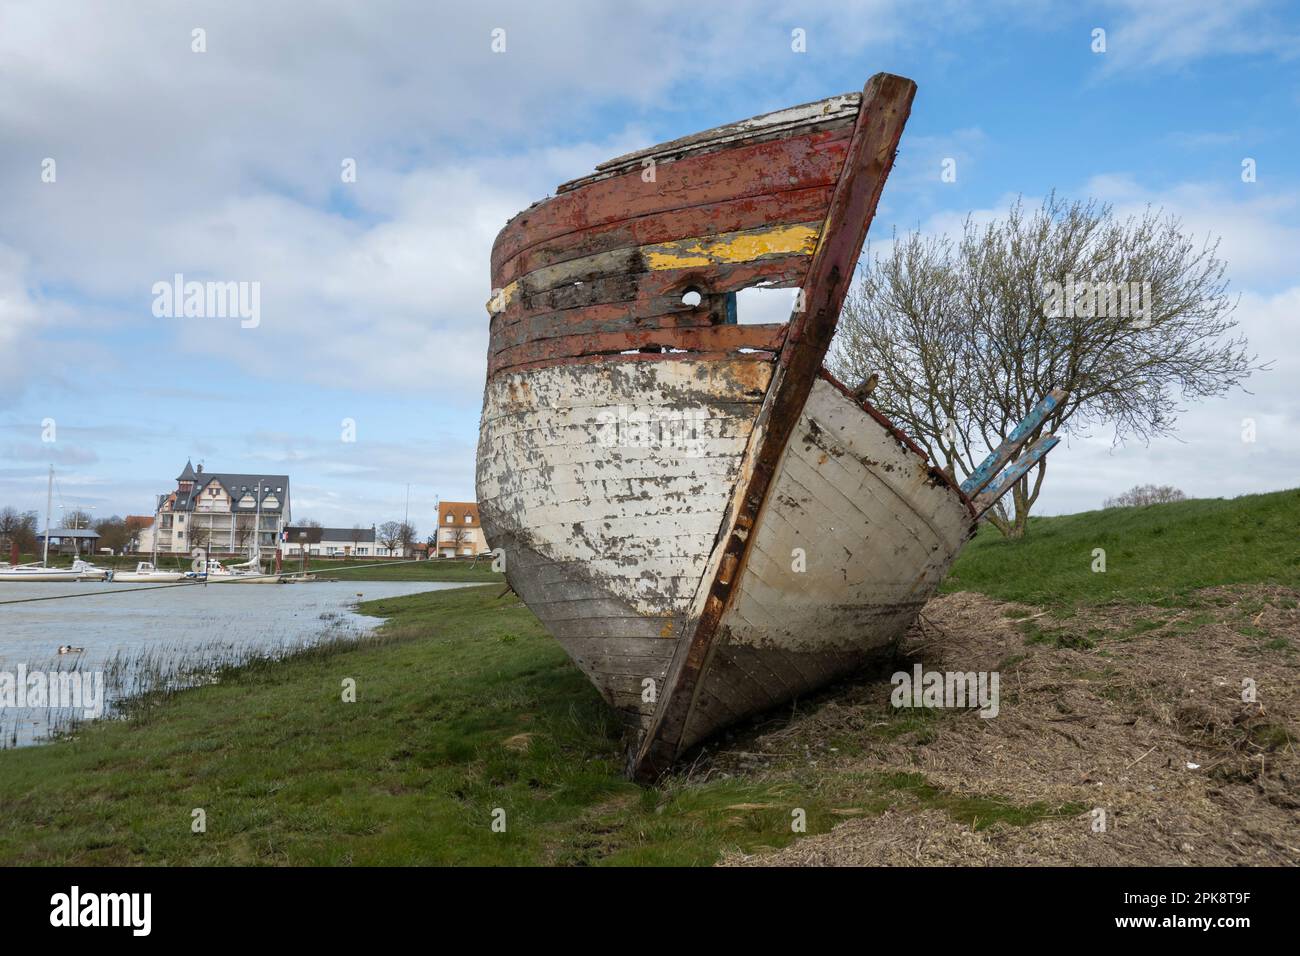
1136, 710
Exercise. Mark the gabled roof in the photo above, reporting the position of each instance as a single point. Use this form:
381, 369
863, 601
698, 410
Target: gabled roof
458, 510
236, 486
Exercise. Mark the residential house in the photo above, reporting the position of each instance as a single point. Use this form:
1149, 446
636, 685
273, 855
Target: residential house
139, 530
330, 542
223, 513
459, 530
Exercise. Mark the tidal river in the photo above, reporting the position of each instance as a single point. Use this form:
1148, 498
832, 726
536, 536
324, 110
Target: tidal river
147, 639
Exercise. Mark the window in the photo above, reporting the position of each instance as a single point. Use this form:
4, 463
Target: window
450, 518
363, 551
469, 519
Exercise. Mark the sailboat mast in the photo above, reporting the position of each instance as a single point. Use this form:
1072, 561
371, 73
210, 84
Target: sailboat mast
49, 503
257, 529
157, 519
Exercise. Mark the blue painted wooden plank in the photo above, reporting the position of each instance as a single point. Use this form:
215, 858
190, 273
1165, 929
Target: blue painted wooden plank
1004, 481
998, 459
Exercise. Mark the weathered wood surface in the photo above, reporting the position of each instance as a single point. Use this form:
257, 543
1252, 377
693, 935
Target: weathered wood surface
733, 215
605, 485
886, 102
715, 338
748, 171
842, 109
1003, 483
664, 556
855, 536
998, 458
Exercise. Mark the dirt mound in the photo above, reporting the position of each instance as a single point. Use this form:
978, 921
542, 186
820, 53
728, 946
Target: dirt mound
1144, 714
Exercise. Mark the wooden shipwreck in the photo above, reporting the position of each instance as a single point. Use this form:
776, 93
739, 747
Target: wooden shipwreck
706, 520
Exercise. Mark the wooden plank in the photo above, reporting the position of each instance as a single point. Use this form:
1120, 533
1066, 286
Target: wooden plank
843, 107
518, 302
757, 357
886, 102
655, 312
749, 212
760, 169
999, 457
715, 338
1002, 484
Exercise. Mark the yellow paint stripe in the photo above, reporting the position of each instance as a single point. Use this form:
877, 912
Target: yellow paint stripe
750, 245
729, 247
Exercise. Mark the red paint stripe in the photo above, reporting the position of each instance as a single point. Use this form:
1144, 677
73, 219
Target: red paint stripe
750, 212
716, 338
758, 169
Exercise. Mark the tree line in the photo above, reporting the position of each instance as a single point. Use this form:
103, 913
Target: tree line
24, 527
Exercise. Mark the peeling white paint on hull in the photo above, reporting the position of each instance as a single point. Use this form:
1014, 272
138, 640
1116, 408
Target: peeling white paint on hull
605, 485
855, 536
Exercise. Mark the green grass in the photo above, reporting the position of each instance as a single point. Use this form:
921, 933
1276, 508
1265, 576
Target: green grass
438, 569
465, 706
288, 773
1159, 554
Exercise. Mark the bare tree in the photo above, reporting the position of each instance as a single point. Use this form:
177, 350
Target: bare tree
1141, 495
17, 526
357, 534
199, 535
406, 536
77, 519
1129, 316
390, 534
245, 530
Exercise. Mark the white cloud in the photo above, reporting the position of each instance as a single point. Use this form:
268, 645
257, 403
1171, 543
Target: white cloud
1170, 33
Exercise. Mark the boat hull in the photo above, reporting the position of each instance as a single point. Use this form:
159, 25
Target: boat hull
148, 577
604, 485
856, 535
41, 576
705, 520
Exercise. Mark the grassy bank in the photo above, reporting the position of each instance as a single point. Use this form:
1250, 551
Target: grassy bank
440, 569
1159, 554
464, 706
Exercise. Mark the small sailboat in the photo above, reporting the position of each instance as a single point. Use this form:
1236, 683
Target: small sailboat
246, 572
148, 572
86, 571
80, 570
707, 521
37, 572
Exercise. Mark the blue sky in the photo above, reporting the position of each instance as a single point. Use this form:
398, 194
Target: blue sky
225, 164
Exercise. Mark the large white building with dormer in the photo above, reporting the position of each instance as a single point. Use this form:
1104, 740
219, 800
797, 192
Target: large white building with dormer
222, 513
